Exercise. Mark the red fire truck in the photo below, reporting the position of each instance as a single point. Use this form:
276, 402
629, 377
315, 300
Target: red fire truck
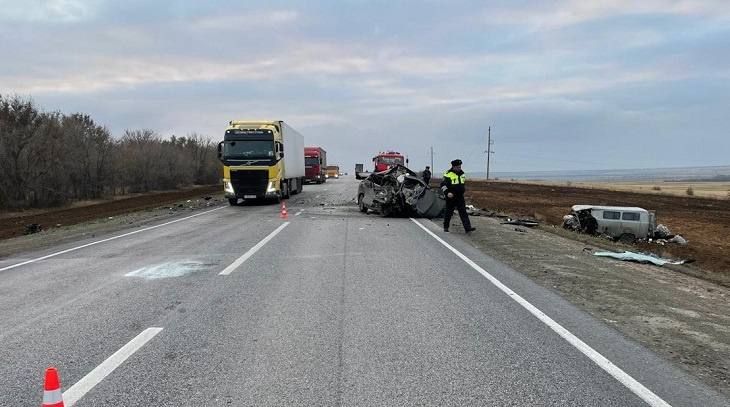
387, 159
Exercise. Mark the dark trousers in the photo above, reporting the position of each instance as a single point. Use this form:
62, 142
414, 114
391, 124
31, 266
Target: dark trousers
456, 202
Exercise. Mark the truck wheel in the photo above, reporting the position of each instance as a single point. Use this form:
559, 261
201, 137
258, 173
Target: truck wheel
285, 190
233, 201
361, 204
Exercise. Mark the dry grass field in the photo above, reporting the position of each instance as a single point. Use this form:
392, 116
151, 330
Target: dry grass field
718, 190
705, 222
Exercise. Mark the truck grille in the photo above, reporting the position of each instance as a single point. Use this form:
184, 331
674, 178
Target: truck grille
250, 182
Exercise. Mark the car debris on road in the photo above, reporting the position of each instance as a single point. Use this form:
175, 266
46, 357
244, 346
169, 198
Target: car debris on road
640, 258
33, 228
521, 222
398, 191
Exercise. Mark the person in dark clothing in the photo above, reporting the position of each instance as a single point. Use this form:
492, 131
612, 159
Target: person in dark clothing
454, 188
427, 175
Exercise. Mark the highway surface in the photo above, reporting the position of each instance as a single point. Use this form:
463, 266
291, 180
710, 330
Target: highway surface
235, 306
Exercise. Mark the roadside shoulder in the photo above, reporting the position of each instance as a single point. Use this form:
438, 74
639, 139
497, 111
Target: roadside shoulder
682, 318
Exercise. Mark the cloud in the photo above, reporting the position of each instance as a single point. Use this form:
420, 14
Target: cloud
385, 76
247, 21
50, 11
553, 15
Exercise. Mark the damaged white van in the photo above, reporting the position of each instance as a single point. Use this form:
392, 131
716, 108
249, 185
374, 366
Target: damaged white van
622, 223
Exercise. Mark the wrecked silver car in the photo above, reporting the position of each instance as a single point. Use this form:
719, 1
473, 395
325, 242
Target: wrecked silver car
626, 224
398, 191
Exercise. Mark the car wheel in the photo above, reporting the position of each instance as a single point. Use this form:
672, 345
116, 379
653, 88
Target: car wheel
233, 201
361, 204
627, 238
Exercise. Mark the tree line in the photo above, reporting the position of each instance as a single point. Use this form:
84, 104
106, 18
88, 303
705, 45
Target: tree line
48, 158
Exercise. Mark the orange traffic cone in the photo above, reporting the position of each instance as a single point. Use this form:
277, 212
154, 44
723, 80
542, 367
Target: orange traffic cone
284, 214
52, 396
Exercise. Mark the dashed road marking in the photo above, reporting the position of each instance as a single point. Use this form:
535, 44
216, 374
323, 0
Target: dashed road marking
228, 270
83, 386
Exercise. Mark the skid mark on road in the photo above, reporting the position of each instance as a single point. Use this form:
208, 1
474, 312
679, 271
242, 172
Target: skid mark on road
167, 270
624, 378
83, 386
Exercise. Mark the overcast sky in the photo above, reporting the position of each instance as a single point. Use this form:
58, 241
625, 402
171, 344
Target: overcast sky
578, 84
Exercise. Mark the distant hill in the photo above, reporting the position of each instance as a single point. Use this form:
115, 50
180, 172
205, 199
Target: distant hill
718, 173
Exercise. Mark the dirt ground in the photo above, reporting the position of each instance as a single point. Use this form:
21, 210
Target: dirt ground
14, 224
704, 222
682, 318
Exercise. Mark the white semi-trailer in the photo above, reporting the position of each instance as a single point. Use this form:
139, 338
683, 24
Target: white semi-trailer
261, 160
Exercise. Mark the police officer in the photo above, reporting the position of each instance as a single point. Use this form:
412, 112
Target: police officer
427, 175
453, 187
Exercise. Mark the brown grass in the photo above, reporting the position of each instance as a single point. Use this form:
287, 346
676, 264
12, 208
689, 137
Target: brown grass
704, 222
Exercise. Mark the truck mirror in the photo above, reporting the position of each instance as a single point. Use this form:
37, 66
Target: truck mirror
220, 150
406, 161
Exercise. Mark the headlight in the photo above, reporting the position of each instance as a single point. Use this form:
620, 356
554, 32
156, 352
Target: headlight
271, 187
228, 187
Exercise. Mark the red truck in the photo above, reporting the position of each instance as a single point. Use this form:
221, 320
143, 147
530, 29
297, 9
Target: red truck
315, 164
388, 159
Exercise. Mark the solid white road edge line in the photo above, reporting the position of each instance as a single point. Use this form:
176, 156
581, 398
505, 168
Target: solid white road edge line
78, 390
106, 240
624, 378
228, 270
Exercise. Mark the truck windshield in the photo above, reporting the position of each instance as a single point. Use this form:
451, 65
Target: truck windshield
311, 160
390, 160
249, 149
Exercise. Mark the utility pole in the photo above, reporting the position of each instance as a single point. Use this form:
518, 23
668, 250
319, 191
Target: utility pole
489, 148
431, 158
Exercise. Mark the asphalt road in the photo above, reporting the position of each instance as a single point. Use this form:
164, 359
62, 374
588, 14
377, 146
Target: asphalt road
334, 308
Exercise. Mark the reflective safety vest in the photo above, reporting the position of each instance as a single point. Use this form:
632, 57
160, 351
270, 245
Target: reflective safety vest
455, 179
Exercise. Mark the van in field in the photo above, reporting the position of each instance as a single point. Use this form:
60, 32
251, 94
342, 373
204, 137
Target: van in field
623, 223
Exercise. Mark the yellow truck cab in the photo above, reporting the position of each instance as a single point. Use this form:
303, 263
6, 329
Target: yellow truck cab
261, 160
333, 171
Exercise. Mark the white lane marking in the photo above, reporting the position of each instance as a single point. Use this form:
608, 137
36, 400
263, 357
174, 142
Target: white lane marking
624, 378
317, 197
106, 240
78, 390
298, 213
228, 270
